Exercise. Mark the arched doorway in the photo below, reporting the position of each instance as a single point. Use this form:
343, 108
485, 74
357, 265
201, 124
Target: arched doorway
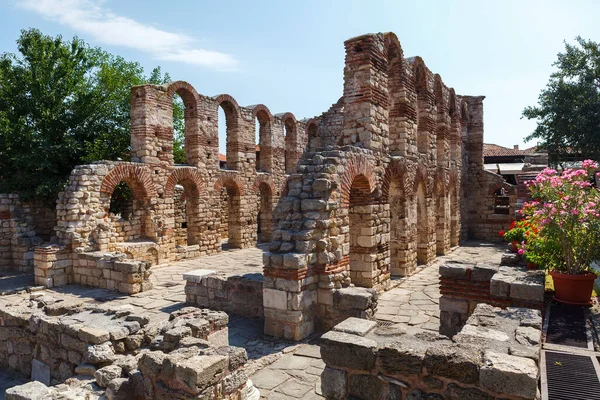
362, 233
264, 219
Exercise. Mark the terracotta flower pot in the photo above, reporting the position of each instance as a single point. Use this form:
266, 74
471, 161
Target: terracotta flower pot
531, 265
513, 246
573, 289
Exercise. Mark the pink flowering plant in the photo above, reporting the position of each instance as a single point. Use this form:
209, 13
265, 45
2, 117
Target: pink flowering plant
566, 212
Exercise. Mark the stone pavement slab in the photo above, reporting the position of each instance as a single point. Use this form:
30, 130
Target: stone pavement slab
414, 302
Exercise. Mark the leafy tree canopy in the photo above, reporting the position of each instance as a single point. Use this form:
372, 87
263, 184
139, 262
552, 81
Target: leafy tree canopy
64, 103
568, 109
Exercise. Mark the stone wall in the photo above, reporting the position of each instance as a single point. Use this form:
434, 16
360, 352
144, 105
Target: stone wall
494, 356
186, 356
464, 286
239, 295
22, 227
377, 191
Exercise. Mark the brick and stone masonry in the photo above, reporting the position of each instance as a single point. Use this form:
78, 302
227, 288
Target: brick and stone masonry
386, 179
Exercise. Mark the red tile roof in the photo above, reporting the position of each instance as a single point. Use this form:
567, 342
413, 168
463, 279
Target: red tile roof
222, 157
494, 150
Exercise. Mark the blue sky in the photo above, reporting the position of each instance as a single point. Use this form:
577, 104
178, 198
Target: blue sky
290, 55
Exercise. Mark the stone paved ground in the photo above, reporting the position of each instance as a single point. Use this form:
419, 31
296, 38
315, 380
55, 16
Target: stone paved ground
280, 369
14, 281
414, 301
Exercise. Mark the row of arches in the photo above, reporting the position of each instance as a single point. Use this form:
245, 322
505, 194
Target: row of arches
423, 221
254, 137
416, 94
187, 212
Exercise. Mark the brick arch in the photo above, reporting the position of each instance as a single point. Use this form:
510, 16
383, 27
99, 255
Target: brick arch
233, 138
452, 105
138, 178
357, 165
191, 101
312, 133
264, 180
421, 76
265, 136
229, 181
440, 183
440, 93
291, 154
190, 177
396, 170
185, 91
421, 177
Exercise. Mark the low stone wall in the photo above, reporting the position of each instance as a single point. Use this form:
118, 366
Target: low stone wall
18, 235
124, 354
464, 286
337, 305
495, 355
239, 295
113, 271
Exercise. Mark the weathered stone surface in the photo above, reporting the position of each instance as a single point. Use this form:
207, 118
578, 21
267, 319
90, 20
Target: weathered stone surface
30, 391
355, 326
401, 357
343, 350
93, 335
366, 386
199, 372
86, 369
453, 362
40, 372
99, 353
106, 374
509, 375
333, 383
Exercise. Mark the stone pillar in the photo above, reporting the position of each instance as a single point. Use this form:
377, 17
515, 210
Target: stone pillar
52, 266
151, 125
366, 93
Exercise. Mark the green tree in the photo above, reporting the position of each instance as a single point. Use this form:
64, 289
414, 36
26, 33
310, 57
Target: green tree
63, 103
568, 109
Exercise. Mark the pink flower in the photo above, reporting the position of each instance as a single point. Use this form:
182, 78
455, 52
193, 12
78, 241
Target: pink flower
521, 251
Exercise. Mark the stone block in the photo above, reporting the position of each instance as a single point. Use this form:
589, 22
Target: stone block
197, 275
106, 374
454, 270
199, 372
40, 372
448, 360
93, 335
30, 391
273, 298
99, 353
343, 350
402, 357
333, 384
355, 326
454, 305
509, 375
483, 272
366, 386
528, 288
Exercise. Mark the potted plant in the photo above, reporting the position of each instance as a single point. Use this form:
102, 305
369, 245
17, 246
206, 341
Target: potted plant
567, 212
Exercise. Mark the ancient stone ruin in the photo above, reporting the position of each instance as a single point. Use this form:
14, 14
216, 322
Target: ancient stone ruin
387, 179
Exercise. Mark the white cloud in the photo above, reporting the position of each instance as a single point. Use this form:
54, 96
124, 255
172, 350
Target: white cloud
91, 18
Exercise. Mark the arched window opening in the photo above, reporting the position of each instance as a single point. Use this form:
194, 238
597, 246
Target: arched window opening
181, 216
228, 128
223, 143
422, 226
363, 238
289, 155
257, 135
179, 130
454, 222
262, 141
422, 110
230, 217
398, 229
313, 136
121, 202
265, 218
